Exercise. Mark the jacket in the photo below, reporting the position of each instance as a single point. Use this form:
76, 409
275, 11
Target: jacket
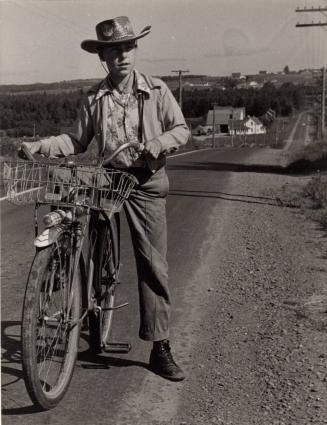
162, 119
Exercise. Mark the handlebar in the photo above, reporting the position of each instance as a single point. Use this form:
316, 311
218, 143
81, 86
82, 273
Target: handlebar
137, 146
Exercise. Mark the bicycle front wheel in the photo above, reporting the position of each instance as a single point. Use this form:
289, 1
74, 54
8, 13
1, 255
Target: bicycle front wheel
51, 324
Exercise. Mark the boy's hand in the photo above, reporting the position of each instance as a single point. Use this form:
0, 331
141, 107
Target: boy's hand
153, 147
32, 147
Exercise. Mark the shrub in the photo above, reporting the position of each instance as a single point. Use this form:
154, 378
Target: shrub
316, 191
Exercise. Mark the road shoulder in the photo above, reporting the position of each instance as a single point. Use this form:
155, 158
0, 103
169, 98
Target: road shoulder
260, 356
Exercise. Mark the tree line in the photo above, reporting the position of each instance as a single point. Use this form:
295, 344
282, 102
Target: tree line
38, 114
257, 102
51, 114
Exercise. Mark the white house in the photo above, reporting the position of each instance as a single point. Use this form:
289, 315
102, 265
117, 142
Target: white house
229, 120
254, 125
249, 125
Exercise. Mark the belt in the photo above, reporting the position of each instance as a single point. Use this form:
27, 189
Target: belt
140, 163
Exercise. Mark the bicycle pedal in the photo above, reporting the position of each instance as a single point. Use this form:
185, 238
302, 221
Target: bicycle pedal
117, 347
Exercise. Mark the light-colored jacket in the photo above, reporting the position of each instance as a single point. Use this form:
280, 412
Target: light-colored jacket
162, 120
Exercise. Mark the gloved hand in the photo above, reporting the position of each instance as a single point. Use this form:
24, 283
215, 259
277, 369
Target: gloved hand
153, 147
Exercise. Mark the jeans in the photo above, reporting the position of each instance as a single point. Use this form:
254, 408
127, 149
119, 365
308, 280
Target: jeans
146, 215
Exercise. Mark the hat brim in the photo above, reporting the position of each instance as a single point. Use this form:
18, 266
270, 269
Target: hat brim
93, 46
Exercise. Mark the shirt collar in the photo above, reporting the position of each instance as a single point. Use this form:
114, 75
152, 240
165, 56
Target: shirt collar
141, 85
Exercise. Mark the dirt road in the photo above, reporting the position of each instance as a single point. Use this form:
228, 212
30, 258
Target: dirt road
250, 324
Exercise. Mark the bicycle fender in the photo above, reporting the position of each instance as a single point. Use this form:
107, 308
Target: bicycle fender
48, 236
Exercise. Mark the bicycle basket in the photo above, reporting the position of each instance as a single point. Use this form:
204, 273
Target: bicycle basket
63, 185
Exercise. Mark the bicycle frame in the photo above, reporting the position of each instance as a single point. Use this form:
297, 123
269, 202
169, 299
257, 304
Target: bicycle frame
83, 232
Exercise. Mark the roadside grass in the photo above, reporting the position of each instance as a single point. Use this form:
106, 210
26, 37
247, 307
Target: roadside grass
309, 194
311, 157
315, 195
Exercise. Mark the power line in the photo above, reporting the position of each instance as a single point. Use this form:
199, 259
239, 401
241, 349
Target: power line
312, 9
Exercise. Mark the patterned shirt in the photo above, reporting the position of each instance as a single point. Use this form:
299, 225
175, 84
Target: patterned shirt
123, 126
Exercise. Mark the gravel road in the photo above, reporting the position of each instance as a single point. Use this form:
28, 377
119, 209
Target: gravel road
251, 325
261, 346
255, 323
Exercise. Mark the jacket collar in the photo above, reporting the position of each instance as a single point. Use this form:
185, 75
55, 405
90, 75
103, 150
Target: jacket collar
142, 85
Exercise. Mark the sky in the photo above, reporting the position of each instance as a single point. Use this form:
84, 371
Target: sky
40, 39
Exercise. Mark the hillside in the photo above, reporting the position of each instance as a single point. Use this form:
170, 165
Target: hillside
189, 81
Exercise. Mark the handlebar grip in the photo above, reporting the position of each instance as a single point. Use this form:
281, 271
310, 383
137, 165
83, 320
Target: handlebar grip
138, 146
27, 152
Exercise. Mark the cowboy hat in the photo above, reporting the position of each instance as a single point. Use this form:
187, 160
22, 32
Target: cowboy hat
111, 32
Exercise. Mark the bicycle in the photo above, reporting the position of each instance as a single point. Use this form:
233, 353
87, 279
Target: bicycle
75, 271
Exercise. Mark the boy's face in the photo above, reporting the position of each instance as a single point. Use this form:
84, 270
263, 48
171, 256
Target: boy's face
121, 58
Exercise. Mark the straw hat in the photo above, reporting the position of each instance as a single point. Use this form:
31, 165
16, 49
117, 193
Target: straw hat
111, 32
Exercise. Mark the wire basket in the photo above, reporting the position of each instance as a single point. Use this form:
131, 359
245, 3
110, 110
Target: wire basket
64, 185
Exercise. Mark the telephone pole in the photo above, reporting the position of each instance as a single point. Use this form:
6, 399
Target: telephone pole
180, 73
322, 10
323, 103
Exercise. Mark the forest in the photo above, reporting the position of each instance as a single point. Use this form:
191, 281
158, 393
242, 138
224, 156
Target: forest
45, 114
282, 100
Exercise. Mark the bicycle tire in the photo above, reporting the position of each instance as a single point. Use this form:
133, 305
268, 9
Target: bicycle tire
105, 280
50, 335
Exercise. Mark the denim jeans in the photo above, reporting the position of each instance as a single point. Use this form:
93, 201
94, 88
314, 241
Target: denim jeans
146, 215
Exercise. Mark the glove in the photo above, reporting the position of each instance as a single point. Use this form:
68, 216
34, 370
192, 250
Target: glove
153, 147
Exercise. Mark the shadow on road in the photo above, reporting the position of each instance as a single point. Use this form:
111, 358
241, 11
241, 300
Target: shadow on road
11, 352
11, 371
22, 410
228, 166
88, 360
275, 202
298, 168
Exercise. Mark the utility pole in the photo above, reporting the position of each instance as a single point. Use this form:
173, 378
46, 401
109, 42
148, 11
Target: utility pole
180, 73
232, 127
322, 10
323, 102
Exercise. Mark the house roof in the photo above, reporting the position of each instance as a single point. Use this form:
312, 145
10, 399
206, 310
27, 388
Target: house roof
256, 120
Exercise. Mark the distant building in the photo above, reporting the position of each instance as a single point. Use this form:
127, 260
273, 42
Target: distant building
254, 126
220, 117
250, 125
229, 120
253, 84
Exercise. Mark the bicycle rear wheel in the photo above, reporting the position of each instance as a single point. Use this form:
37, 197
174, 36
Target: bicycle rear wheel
51, 324
105, 281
